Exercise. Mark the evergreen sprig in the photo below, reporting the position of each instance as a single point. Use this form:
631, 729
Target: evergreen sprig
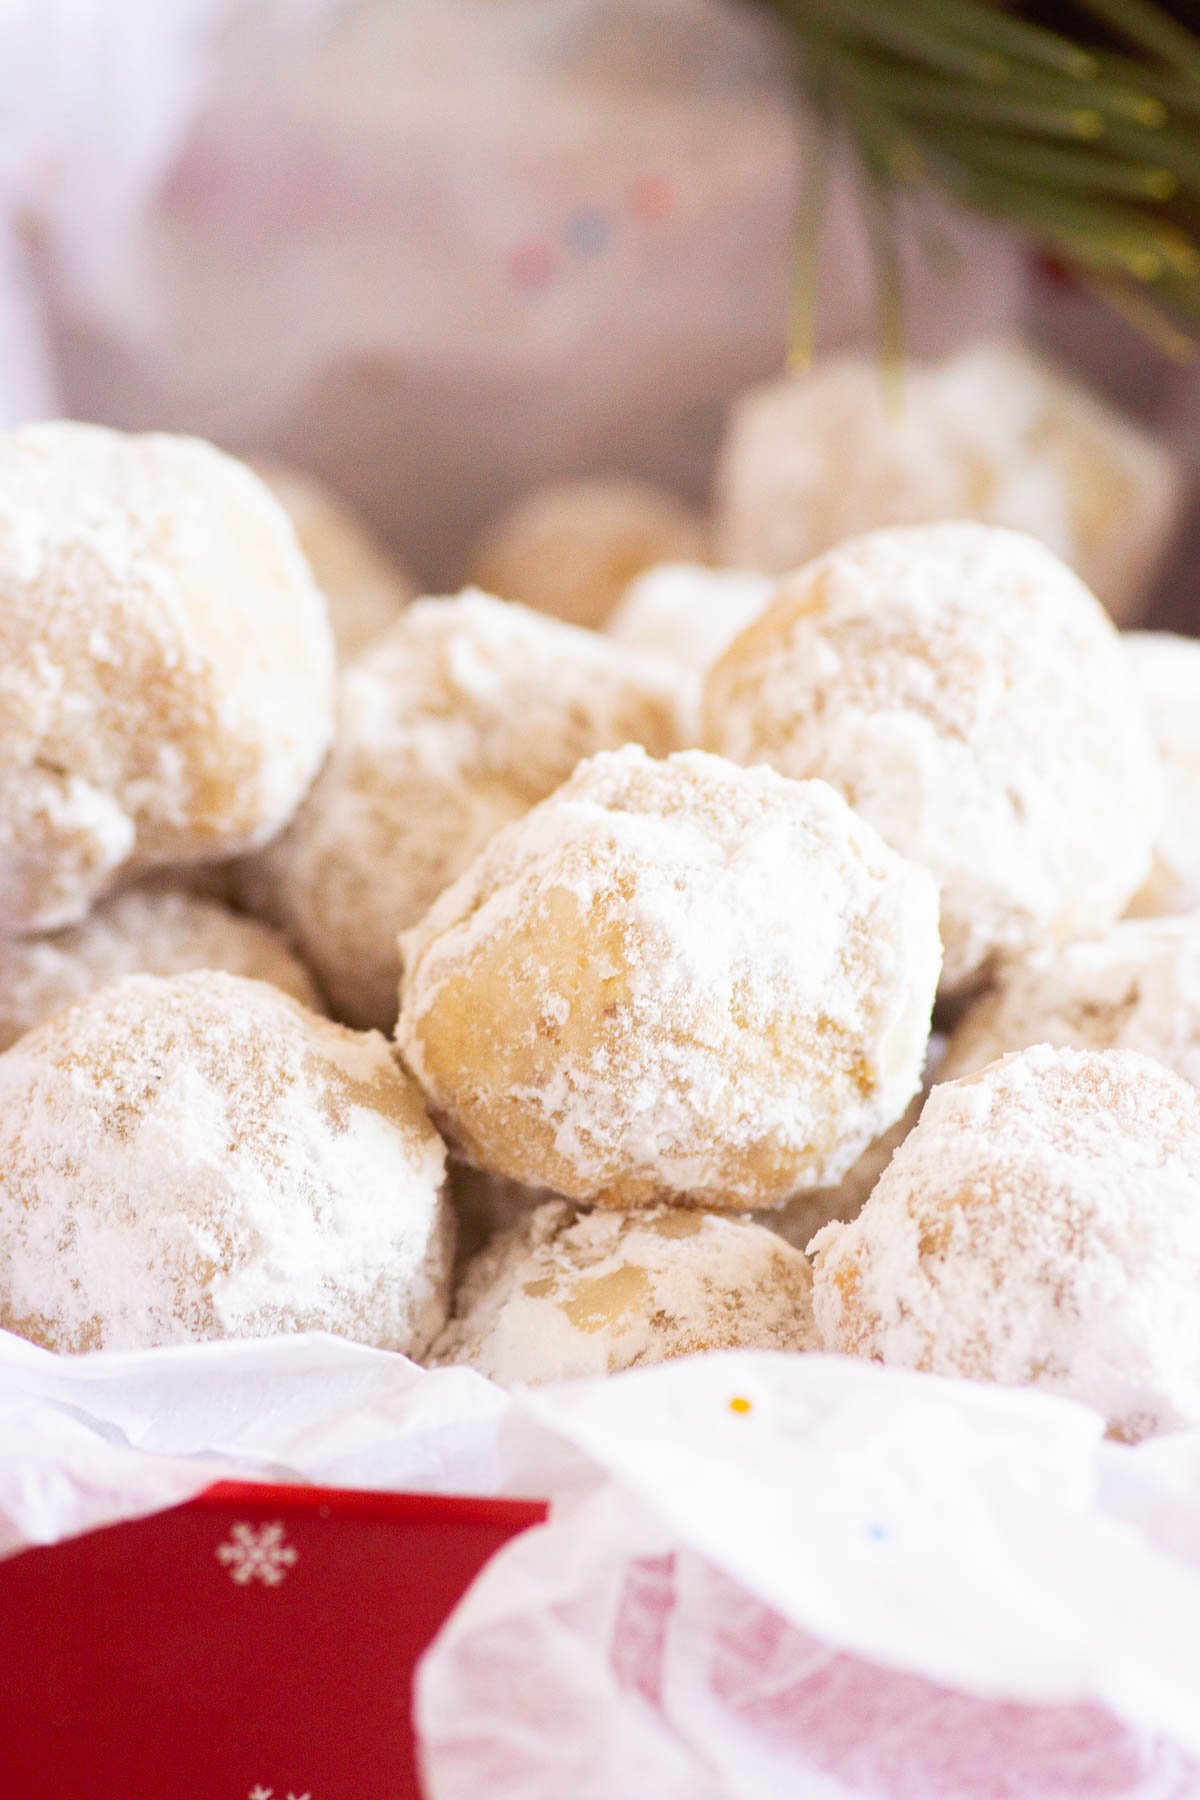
1085, 138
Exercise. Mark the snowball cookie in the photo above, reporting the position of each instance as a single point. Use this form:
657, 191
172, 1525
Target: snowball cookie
573, 548
674, 979
166, 664
1166, 672
457, 720
573, 1294
969, 698
139, 933
1063, 464
364, 585
1041, 1225
1135, 988
199, 1157
993, 434
687, 612
813, 459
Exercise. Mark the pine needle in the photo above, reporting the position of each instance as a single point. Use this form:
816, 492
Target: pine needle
1089, 149
1146, 318
1152, 30
980, 23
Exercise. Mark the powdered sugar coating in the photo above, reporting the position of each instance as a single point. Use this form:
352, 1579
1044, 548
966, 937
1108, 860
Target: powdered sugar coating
671, 980
141, 932
688, 615
572, 548
1135, 988
1062, 463
811, 460
456, 721
994, 434
1040, 1226
570, 1294
687, 612
199, 1157
1166, 674
968, 696
166, 665
363, 583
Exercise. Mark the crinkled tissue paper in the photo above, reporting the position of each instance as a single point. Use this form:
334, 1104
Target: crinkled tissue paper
761, 1574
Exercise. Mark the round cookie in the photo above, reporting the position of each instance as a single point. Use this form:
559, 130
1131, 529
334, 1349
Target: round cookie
993, 433
1135, 988
573, 548
364, 585
813, 459
457, 720
1063, 464
166, 664
141, 932
674, 980
969, 698
199, 1157
1040, 1226
1166, 673
570, 1294
688, 613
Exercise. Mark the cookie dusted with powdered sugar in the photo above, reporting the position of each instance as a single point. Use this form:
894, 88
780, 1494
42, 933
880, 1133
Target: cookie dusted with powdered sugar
455, 722
967, 695
572, 548
199, 1157
166, 664
364, 585
1040, 1226
688, 613
570, 1294
1137, 987
813, 459
1054, 458
994, 433
1166, 675
674, 979
152, 932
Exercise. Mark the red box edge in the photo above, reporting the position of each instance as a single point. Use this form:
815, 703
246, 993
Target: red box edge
465, 1509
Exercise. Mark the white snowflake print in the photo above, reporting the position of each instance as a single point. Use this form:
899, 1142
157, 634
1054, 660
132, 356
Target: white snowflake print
259, 1792
257, 1553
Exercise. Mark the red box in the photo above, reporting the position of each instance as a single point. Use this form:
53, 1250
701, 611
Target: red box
257, 1643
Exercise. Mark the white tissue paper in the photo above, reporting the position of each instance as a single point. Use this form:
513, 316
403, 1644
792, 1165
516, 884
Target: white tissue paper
762, 1574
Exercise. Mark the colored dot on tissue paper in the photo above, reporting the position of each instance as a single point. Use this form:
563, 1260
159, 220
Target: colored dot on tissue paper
739, 1404
531, 266
588, 232
652, 197
879, 1533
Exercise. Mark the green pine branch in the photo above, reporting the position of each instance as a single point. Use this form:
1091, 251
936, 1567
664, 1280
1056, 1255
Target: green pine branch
1087, 144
